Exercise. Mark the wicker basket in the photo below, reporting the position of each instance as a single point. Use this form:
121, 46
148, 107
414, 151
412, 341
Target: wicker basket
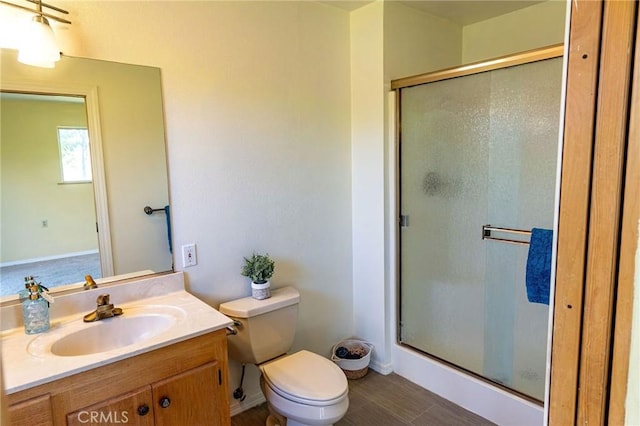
353, 368
355, 374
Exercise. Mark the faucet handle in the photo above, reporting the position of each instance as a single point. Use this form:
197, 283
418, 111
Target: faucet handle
103, 300
89, 283
104, 310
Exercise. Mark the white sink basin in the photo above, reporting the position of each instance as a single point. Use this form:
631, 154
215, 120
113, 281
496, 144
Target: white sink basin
135, 325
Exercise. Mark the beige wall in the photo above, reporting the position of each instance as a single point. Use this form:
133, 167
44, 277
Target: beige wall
388, 40
416, 42
367, 176
535, 26
275, 117
257, 106
31, 190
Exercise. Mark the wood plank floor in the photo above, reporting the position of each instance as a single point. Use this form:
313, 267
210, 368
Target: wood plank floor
377, 400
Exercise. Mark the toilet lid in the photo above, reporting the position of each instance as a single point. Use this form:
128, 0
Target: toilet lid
306, 377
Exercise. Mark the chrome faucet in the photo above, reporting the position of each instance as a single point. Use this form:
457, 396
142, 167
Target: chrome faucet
104, 310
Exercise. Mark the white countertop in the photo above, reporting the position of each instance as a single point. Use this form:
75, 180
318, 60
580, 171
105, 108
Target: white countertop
27, 361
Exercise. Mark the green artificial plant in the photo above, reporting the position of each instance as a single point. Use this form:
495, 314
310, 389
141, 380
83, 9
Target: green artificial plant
259, 268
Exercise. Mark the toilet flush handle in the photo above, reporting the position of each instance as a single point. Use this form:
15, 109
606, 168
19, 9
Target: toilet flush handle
232, 331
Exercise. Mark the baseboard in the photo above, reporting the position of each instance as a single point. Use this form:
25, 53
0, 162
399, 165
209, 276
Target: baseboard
478, 396
46, 258
250, 401
381, 368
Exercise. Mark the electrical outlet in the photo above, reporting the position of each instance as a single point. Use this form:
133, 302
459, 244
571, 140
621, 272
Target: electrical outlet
189, 255
45, 223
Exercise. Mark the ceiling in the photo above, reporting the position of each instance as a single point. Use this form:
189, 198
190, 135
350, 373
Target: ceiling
462, 12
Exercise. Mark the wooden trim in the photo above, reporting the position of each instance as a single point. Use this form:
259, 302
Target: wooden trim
549, 52
99, 178
628, 249
605, 210
577, 154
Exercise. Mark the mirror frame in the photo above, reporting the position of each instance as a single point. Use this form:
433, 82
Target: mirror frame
90, 94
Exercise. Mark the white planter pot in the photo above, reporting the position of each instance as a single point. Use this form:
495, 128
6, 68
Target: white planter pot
261, 291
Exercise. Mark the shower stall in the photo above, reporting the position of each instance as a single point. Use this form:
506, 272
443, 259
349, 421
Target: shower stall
477, 159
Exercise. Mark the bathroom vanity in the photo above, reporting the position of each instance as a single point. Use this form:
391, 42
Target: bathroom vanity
183, 383
173, 372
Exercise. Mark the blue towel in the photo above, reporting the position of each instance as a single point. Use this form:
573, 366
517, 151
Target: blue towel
167, 214
538, 278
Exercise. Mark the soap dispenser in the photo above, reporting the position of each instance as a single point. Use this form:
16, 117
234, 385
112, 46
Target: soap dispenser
35, 309
24, 293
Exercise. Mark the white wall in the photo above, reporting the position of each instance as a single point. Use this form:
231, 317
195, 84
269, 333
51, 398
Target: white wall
535, 26
257, 108
276, 133
367, 147
416, 42
388, 40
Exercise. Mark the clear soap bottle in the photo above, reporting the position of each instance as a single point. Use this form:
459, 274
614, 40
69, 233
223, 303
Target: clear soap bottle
35, 311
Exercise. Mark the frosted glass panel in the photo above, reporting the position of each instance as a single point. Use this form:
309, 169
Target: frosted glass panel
477, 150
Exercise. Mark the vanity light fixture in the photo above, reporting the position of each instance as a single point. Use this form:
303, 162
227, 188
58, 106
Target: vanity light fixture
38, 46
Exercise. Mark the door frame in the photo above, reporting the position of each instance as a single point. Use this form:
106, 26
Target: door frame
596, 240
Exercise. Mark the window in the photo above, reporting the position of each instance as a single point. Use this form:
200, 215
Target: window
75, 158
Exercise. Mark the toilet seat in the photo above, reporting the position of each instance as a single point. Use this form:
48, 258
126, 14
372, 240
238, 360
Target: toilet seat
306, 378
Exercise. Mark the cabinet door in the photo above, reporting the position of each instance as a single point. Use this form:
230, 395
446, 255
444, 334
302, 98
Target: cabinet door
190, 398
32, 412
133, 408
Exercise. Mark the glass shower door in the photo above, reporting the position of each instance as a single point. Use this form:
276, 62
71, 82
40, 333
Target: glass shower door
476, 150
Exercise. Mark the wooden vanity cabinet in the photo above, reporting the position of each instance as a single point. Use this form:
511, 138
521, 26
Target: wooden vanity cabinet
133, 408
184, 383
34, 411
183, 399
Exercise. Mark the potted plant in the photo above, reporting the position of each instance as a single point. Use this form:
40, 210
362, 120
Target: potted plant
259, 268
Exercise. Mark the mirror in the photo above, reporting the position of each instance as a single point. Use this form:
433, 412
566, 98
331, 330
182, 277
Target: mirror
61, 231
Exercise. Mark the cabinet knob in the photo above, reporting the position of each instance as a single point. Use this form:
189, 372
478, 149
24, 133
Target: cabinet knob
165, 402
143, 410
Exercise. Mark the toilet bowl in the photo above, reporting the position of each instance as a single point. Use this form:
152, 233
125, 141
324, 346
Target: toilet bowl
302, 388
305, 388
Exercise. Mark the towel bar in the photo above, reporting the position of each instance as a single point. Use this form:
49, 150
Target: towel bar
486, 234
148, 210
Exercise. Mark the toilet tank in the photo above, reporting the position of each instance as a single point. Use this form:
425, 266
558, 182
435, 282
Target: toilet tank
266, 327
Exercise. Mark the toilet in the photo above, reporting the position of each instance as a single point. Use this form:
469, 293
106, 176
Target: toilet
302, 388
